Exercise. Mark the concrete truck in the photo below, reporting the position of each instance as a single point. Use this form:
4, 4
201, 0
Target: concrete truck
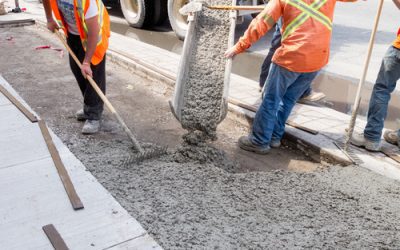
149, 13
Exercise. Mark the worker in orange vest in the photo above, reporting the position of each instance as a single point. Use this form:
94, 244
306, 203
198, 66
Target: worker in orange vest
87, 27
304, 50
385, 83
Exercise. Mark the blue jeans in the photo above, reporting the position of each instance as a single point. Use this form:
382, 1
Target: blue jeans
284, 88
385, 83
275, 44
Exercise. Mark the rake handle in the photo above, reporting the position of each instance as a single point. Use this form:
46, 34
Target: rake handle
362, 80
102, 96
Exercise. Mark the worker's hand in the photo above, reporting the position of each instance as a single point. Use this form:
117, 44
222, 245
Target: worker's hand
86, 70
52, 25
231, 52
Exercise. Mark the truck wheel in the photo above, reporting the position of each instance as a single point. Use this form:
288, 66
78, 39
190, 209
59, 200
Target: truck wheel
160, 11
138, 13
178, 21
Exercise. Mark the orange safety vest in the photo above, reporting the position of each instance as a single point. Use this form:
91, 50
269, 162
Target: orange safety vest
80, 9
396, 42
306, 32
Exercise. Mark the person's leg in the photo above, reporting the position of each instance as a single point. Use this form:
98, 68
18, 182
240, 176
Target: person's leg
277, 83
93, 103
275, 44
74, 42
385, 83
293, 93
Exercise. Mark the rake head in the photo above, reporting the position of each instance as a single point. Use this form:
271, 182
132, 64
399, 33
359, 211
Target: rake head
349, 152
145, 155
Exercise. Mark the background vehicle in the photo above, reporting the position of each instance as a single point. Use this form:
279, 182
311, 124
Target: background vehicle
149, 13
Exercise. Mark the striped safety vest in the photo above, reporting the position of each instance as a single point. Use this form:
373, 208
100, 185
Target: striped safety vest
308, 11
81, 7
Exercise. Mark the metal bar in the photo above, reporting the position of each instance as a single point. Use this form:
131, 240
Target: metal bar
18, 104
237, 7
54, 237
62, 172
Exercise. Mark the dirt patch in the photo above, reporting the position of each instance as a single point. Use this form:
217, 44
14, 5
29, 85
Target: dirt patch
195, 203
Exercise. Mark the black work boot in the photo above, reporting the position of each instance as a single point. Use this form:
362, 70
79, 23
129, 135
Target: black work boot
245, 143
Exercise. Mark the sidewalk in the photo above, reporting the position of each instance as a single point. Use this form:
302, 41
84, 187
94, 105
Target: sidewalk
32, 194
154, 62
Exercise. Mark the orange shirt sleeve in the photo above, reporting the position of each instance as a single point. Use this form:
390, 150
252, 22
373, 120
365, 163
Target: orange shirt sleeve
260, 25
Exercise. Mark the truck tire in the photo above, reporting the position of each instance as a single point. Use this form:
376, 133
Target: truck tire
178, 22
138, 13
160, 11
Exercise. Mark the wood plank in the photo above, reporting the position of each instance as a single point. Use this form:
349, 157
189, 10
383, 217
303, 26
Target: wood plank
288, 122
18, 104
54, 237
393, 154
62, 172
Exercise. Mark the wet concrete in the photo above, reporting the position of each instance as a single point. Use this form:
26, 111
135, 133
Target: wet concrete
198, 204
339, 92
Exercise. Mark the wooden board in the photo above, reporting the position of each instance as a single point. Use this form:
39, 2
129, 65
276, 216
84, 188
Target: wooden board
62, 172
54, 237
288, 122
18, 104
393, 154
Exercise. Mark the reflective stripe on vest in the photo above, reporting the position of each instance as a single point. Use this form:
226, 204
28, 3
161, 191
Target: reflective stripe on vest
80, 7
101, 7
308, 11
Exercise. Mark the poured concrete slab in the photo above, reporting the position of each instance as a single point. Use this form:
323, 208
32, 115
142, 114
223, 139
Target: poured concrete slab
32, 195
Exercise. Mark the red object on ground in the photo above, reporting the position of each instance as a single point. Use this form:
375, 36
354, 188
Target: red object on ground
43, 47
9, 38
49, 47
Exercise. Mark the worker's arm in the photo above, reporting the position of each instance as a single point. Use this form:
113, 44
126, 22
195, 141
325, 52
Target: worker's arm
51, 24
397, 3
257, 28
92, 38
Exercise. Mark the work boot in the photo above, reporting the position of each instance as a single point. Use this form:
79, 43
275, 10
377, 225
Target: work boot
312, 97
245, 143
275, 143
80, 115
391, 137
359, 140
91, 127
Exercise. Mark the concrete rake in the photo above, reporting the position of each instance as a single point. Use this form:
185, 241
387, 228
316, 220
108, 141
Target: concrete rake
142, 154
